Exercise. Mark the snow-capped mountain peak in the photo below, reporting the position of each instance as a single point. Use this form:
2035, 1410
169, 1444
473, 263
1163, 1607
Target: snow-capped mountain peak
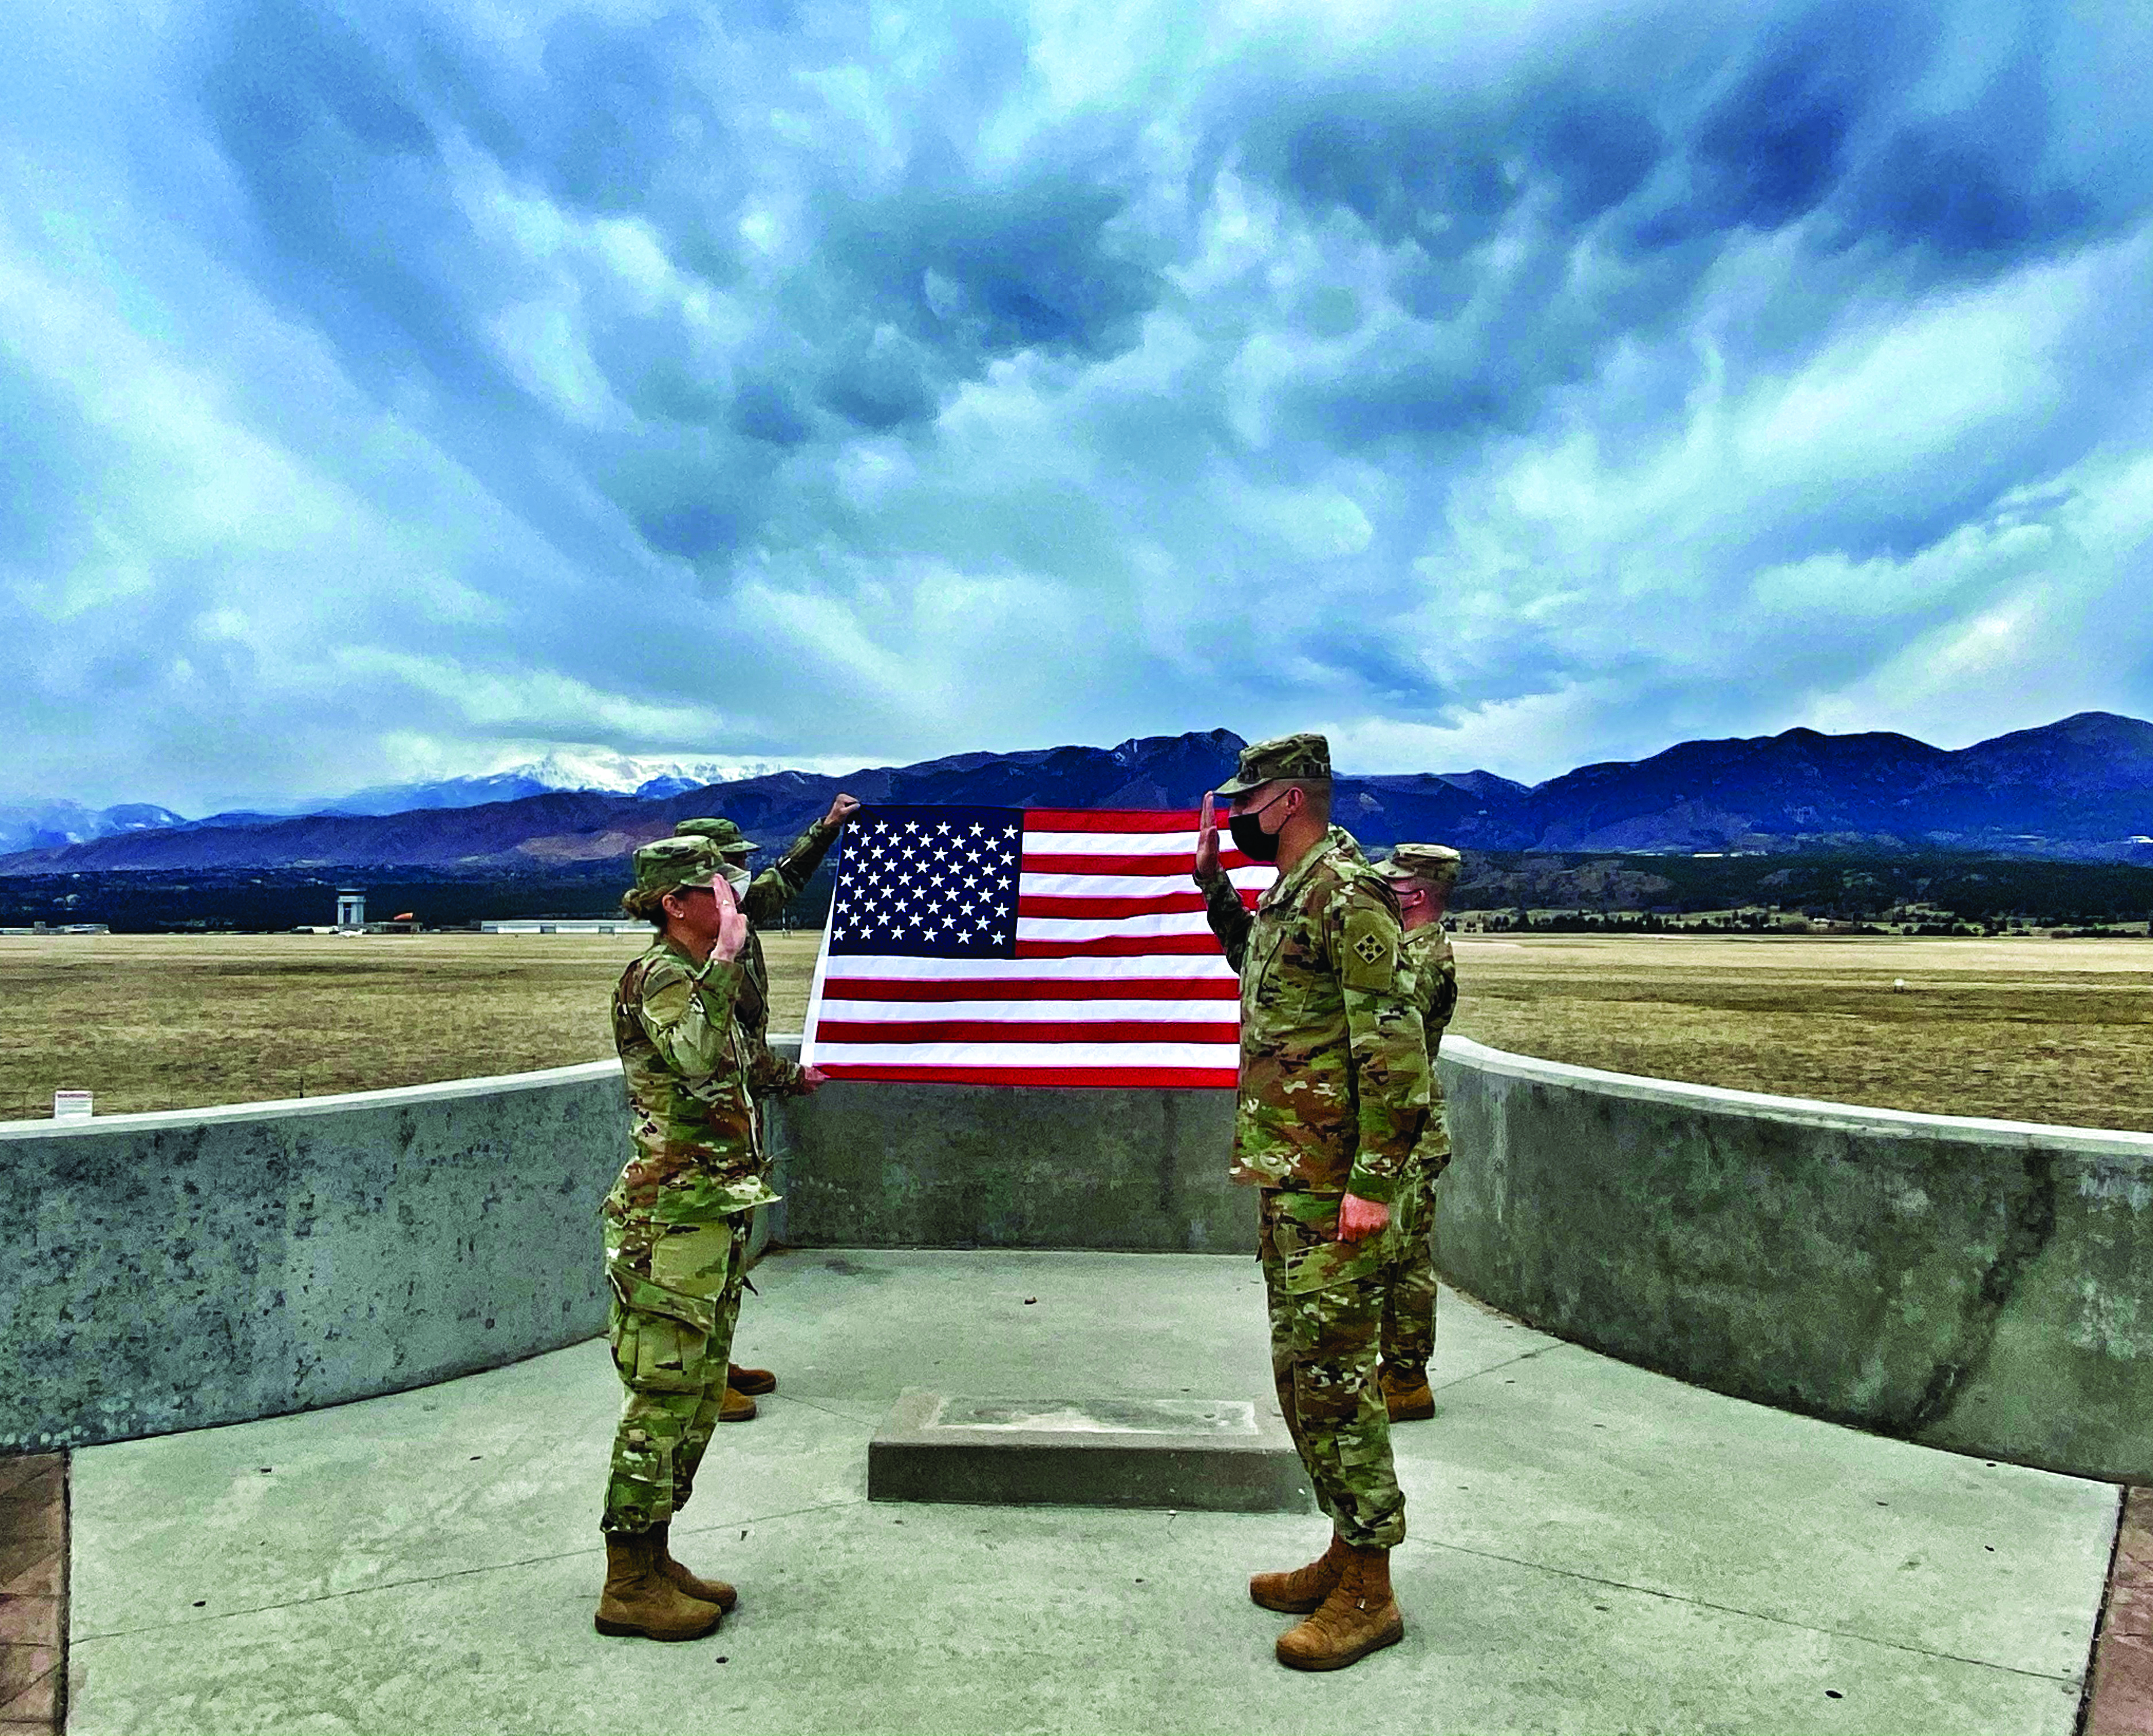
566, 768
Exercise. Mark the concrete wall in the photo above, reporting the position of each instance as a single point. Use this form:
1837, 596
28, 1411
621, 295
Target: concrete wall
975, 1166
1983, 1285
170, 1271
1979, 1285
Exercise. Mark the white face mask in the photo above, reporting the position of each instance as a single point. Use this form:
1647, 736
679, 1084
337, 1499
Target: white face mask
738, 879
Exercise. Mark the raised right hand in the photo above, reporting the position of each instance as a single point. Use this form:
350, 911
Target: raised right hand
1207, 841
732, 920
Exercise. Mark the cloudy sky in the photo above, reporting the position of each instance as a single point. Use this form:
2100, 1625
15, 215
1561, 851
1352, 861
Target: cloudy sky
404, 388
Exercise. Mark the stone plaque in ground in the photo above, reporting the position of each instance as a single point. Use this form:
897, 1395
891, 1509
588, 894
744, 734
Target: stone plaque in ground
1102, 1415
1220, 1454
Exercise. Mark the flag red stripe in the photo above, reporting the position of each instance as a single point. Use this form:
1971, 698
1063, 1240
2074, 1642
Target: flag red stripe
1180, 904
1180, 864
1108, 819
1176, 988
1113, 1077
1161, 903
1136, 946
996, 1030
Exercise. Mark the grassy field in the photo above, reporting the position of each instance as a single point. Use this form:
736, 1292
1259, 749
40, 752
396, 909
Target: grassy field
151, 1021
2026, 1029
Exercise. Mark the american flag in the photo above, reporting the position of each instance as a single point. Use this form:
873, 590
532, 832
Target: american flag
1026, 946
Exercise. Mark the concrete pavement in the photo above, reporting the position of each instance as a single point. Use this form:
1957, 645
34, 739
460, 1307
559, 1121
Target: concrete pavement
1594, 1548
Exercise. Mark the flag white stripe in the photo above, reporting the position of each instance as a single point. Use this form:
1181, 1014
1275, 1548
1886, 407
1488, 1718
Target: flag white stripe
1059, 1012
1108, 928
1128, 886
1224, 1056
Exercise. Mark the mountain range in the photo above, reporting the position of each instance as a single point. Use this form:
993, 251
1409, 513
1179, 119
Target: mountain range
53, 824
2078, 790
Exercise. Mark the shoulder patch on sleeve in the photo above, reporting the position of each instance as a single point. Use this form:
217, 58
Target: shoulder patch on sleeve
666, 1003
1368, 956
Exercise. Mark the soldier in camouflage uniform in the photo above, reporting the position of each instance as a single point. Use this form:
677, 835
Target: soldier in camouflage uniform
1332, 1092
675, 1225
763, 901
1421, 875
769, 892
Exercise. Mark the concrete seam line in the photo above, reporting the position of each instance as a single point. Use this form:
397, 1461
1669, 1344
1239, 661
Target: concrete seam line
1497, 1367
822, 1411
2100, 1618
430, 1579
1736, 1609
67, 1585
2115, 1675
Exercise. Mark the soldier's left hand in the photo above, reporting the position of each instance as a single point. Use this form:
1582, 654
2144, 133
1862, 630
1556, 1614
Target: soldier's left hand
841, 810
1358, 1218
812, 1079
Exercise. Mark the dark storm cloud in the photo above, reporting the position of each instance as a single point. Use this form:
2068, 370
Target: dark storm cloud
409, 385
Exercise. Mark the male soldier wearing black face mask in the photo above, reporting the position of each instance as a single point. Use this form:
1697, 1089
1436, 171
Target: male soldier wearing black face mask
1332, 1090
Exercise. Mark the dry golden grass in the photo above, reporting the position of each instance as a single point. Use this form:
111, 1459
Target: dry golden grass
176, 1022
2026, 1029
2031, 1030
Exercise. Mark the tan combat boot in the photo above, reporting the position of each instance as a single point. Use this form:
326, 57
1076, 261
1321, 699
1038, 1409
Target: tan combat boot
1407, 1397
737, 1407
1304, 1589
708, 1590
639, 1599
749, 1381
1359, 1616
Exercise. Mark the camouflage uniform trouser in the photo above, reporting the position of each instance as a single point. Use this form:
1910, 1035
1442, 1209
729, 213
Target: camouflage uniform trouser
676, 1292
1326, 1306
1408, 1337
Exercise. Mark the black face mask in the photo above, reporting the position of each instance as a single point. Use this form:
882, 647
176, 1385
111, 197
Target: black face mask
1250, 838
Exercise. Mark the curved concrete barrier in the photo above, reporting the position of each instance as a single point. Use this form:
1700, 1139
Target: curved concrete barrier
171, 1271
1984, 1286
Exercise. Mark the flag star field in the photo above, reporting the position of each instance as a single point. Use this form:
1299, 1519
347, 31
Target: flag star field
930, 882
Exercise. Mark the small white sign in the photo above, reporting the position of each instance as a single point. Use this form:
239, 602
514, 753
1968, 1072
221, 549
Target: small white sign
71, 1106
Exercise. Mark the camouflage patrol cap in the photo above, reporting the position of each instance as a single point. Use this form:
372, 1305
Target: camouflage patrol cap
1435, 863
720, 835
1262, 762
670, 863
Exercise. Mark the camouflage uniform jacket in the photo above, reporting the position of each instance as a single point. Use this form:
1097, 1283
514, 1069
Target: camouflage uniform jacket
692, 1072
1435, 993
764, 902
1334, 1069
